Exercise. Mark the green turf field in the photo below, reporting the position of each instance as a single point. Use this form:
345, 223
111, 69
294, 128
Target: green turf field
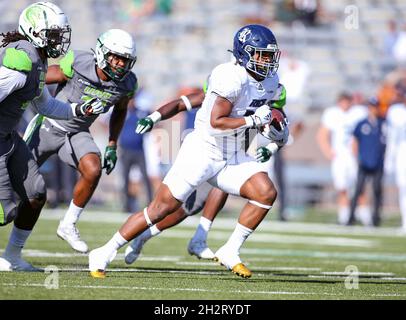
293, 260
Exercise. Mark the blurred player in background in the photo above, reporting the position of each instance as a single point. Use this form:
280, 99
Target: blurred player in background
369, 143
132, 146
334, 138
23, 64
395, 159
82, 75
236, 99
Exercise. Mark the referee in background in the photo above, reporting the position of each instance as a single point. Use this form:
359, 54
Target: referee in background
369, 145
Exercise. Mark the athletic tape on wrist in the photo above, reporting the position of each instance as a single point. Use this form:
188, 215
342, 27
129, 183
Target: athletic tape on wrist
187, 103
147, 219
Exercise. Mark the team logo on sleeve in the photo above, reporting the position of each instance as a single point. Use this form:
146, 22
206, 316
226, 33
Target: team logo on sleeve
244, 35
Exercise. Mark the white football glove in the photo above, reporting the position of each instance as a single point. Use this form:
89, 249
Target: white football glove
280, 137
261, 116
87, 108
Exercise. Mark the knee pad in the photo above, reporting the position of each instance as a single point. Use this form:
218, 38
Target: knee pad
8, 212
37, 189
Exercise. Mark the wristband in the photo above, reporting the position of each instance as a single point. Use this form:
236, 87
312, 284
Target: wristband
186, 102
155, 117
249, 122
272, 147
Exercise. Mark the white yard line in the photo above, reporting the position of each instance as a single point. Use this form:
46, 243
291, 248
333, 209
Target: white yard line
363, 256
359, 273
255, 237
174, 289
253, 292
229, 224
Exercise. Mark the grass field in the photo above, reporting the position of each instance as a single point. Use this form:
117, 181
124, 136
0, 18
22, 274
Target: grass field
289, 261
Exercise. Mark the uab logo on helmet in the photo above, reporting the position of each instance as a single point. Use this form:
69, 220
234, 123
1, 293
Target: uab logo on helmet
244, 34
33, 14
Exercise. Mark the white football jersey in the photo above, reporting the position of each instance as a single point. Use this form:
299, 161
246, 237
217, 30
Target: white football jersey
342, 124
232, 82
396, 139
396, 119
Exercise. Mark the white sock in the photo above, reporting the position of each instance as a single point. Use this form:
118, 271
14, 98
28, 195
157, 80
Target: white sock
364, 215
150, 232
115, 243
16, 242
343, 215
154, 231
72, 215
238, 237
402, 205
202, 229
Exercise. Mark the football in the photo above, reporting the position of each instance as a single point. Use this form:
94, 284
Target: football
277, 120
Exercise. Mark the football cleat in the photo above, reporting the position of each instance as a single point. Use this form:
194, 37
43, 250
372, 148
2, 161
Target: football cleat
232, 262
200, 249
98, 261
133, 251
242, 271
70, 234
17, 264
100, 274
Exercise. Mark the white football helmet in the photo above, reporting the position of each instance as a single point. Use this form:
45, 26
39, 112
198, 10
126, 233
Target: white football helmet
115, 42
46, 26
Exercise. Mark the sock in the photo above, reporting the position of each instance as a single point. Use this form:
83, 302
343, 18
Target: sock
72, 215
16, 242
154, 231
364, 215
238, 237
150, 232
343, 215
202, 229
402, 205
115, 243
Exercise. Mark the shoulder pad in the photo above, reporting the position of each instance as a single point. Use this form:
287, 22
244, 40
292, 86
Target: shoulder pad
66, 64
16, 59
279, 100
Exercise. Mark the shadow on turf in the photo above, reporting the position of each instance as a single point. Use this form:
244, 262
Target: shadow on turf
223, 274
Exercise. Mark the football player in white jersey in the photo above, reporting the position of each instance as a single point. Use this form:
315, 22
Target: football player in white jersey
207, 199
396, 149
334, 138
236, 99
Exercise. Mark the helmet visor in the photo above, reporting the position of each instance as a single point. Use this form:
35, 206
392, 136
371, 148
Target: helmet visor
263, 61
118, 64
58, 41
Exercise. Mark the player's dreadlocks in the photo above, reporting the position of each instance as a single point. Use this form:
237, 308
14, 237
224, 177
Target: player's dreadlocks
11, 36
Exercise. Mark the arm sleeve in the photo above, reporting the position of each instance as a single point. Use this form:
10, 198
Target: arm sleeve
10, 80
48, 106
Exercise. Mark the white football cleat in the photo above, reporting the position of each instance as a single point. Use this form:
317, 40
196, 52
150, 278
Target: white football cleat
98, 261
200, 249
133, 251
17, 264
232, 262
71, 235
